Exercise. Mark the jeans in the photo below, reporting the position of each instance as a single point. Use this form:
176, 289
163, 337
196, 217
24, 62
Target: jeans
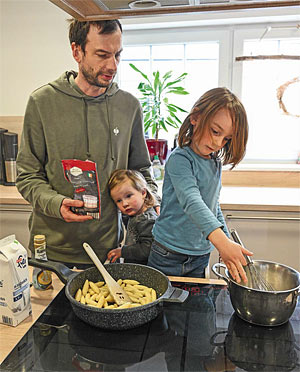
177, 264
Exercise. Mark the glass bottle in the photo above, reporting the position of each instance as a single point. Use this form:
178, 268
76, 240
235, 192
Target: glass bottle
157, 168
42, 279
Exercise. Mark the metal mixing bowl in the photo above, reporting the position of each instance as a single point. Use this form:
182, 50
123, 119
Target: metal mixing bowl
266, 308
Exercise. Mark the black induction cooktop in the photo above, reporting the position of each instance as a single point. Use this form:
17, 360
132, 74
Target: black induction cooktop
202, 334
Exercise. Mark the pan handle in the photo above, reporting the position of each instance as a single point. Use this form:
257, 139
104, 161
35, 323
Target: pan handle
176, 295
217, 266
61, 270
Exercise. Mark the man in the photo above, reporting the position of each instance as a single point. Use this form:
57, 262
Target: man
81, 116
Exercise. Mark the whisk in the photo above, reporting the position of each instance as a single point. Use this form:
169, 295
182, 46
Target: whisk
258, 281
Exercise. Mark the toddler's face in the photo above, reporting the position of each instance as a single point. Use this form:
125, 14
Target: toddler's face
216, 134
129, 200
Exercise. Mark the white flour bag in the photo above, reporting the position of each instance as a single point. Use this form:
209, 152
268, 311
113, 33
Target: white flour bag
15, 303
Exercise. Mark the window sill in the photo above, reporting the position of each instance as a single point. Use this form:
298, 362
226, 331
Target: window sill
266, 167
263, 176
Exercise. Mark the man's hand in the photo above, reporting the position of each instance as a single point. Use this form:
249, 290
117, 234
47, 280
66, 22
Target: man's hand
68, 215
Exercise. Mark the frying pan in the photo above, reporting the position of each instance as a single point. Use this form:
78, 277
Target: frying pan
115, 319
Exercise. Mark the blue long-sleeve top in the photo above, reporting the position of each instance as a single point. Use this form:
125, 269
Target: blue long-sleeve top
190, 208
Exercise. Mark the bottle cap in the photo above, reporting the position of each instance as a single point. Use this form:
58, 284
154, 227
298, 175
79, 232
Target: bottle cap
38, 238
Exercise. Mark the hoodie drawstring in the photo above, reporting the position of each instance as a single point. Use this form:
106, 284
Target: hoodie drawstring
86, 128
109, 129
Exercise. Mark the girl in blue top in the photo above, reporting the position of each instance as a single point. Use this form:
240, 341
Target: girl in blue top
191, 222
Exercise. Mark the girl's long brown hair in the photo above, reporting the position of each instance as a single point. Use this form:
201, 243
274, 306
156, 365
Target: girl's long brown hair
206, 107
137, 181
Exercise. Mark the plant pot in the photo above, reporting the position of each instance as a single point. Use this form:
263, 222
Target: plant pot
157, 147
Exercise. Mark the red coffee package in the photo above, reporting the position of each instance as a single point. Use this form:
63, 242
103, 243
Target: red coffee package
84, 178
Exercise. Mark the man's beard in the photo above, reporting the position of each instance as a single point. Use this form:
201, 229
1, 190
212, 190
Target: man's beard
92, 78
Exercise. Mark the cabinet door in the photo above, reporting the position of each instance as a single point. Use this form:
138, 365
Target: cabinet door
271, 236
14, 220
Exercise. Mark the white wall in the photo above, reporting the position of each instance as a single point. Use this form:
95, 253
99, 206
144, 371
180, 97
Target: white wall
34, 50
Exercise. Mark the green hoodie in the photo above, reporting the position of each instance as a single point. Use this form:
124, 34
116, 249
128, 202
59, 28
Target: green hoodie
61, 122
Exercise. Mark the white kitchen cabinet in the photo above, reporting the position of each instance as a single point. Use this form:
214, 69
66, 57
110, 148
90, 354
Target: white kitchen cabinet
271, 236
14, 220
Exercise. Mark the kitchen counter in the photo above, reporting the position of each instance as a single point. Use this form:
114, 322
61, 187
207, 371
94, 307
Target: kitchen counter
10, 336
260, 199
10, 195
201, 334
232, 198
273, 199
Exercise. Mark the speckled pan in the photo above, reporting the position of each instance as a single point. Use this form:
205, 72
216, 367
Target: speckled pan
123, 318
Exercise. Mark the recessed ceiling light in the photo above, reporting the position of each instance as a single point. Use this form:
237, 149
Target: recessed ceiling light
144, 4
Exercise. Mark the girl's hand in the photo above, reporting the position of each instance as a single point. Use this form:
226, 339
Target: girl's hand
157, 209
114, 254
231, 253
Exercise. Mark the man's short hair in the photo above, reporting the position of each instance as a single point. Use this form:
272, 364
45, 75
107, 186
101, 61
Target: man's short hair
78, 30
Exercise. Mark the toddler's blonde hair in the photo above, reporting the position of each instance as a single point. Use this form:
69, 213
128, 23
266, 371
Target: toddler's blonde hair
137, 180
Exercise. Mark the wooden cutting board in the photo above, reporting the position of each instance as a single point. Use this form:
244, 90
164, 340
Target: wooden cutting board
184, 279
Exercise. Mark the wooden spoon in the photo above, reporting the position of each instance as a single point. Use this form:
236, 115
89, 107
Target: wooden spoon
118, 293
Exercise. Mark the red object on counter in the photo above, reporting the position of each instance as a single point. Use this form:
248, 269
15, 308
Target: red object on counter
157, 147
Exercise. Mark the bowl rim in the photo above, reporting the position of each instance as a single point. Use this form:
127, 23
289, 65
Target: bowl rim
270, 292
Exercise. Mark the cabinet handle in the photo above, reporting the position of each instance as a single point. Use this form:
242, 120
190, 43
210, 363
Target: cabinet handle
231, 217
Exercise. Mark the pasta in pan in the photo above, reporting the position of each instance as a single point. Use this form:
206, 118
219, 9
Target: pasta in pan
98, 295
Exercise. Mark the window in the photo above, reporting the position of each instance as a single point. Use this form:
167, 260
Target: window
208, 56
274, 135
199, 60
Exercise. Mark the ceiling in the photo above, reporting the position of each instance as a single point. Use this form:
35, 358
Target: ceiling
87, 10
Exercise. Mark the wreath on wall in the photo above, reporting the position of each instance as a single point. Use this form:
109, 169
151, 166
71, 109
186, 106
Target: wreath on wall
281, 90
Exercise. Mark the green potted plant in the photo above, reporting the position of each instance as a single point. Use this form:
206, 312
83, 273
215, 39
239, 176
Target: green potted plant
159, 113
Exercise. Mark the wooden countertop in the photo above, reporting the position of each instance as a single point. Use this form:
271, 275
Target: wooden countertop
276, 199
10, 336
10, 195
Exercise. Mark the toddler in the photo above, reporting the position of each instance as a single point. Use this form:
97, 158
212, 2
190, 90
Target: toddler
130, 192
